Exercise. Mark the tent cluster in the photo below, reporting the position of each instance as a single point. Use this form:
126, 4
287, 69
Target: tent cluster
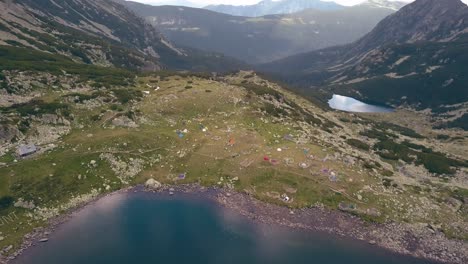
203, 128
331, 174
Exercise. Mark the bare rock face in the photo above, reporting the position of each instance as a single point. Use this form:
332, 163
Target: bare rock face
8, 132
152, 184
53, 119
21, 203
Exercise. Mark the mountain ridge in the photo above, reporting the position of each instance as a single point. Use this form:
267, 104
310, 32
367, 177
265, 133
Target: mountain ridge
270, 7
261, 39
395, 5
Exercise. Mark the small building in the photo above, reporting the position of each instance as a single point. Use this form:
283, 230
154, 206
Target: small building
26, 150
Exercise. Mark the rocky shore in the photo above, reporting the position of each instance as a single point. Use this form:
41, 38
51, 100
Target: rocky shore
415, 240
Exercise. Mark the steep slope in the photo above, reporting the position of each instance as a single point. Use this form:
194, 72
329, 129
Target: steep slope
416, 50
99, 32
271, 7
261, 39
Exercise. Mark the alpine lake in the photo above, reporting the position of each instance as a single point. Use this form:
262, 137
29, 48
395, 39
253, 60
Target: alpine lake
144, 227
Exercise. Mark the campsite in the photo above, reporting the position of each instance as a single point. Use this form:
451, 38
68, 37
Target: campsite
237, 132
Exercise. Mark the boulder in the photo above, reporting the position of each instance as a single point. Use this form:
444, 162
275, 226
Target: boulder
124, 121
153, 184
455, 204
8, 132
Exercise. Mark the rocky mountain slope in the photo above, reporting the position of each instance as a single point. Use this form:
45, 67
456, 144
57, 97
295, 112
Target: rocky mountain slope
261, 39
99, 32
271, 7
415, 56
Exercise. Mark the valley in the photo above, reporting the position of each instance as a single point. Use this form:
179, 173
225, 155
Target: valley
261, 39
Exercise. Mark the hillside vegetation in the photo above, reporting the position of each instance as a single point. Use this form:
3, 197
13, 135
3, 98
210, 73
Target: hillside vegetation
237, 131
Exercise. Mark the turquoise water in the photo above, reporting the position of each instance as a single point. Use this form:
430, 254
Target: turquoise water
349, 104
150, 228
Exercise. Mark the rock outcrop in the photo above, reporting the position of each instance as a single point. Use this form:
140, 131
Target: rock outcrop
152, 184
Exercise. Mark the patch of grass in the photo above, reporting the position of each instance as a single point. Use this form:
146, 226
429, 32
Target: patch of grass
126, 95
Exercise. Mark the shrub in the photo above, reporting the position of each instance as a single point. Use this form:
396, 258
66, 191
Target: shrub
126, 95
38, 107
5, 202
402, 130
377, 134
358, 144
95, 118
442, 137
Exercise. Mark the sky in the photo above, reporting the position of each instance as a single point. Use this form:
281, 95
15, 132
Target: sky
250, 2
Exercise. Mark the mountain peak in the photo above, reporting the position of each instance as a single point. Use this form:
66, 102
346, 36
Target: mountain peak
422, 20
394, 5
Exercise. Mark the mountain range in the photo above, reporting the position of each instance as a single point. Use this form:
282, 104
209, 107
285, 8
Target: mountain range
271, 7
261, 39
416, 56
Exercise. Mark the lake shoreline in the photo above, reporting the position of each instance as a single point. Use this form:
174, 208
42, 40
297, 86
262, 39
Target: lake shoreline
403, 239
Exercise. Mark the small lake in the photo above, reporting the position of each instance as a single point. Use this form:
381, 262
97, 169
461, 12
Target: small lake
349, 104
152, 228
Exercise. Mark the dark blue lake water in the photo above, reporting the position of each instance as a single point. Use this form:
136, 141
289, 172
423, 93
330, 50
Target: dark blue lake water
150, 228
